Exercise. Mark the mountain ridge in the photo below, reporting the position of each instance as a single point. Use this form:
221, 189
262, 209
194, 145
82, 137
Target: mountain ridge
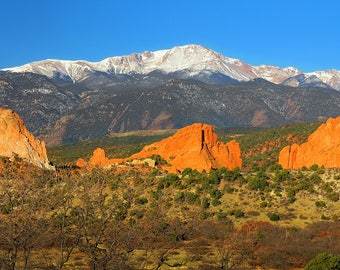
60, 109
192, 58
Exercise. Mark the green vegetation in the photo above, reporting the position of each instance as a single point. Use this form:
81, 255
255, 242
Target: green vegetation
262, 146
274, 217
258, 146
118, 145
134, 216
112, 219
324, 261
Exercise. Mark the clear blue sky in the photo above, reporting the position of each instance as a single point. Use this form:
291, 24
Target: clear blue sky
300, 33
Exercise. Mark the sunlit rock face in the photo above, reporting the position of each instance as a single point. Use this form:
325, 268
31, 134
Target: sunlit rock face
322, 148
194, 146
16, 140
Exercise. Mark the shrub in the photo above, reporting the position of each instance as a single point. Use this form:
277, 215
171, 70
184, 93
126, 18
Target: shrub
229, 189
221, 216
156, 194
281, 176
304, 184
214, 178
191, 197
216, 202
274, 217
314, 167
263, 204
320, 204
335, 217
291, 200
315, 178
275, 167
324, 261
159, 160
216, 194
290, 193
231, 176
190, 173
171, 179
333, 196
327, 187
205, 203
255, 183
238, 213
142, 201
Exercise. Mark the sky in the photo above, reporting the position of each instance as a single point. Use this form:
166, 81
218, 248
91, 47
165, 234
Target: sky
301, 33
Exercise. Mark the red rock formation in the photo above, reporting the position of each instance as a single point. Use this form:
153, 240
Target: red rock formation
81, 163
15, 139
322, 148
98, 158
194, 146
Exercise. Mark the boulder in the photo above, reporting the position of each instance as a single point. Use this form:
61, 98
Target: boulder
16, 140
322, 148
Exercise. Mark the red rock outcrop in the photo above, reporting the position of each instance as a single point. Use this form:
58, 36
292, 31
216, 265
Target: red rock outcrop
322, 148
98, 158
15, 139
81, 163
194, 146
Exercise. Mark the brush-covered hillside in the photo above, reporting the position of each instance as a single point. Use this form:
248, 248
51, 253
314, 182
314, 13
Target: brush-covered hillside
140, 217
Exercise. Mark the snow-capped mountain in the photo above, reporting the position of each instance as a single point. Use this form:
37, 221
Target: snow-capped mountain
330, 77
305, 80
191, 59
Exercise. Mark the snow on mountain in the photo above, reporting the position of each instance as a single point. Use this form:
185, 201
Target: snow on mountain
305, 80
330, 77
275, 74
192, 58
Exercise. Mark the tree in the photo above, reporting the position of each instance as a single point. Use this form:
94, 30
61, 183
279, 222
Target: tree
234, 248
21, 227
324, 261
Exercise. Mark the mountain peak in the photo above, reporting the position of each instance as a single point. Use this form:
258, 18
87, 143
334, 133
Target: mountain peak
192, 59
